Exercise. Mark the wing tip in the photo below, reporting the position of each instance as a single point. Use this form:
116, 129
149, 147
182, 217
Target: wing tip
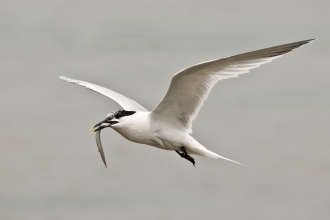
303, 42
67, 79
286, 48
309, 40
64, 78
312, 39
105, 163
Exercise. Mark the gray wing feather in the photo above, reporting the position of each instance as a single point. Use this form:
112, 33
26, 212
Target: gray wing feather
190, 87
123, 101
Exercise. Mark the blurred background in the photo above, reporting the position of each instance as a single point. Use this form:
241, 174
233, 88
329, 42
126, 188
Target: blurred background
275, 119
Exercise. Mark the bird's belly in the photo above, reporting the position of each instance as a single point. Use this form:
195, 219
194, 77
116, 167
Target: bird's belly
139, 135
164, 139
168, 139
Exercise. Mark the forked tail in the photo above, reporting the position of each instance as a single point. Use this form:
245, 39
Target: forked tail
211, 154
200, 150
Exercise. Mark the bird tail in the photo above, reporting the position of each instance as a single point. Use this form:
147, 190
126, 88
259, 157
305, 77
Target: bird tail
200, 150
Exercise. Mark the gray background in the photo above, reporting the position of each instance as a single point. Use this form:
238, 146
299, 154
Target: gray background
275, 119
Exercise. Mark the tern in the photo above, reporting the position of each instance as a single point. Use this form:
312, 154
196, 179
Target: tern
169, 125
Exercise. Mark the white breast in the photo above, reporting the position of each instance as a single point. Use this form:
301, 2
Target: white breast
140, 128
135, 127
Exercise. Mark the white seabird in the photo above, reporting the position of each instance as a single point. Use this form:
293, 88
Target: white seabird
169, 124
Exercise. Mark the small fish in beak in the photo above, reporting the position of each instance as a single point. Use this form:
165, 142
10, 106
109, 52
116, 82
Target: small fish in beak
103, 124
97, 128
99, 146
108, 122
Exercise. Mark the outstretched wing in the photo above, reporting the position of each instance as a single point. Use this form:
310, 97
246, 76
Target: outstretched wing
123, 101
190, 87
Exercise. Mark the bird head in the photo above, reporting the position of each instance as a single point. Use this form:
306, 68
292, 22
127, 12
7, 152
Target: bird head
112, 119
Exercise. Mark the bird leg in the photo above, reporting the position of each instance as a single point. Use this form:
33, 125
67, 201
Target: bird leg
186, 156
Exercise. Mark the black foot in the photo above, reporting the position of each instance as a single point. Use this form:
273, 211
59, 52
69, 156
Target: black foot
186, 156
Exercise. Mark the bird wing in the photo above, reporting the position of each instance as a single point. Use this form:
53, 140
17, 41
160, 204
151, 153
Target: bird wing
123, 101
190, 87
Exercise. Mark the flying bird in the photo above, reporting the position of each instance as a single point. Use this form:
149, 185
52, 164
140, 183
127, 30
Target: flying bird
169, 125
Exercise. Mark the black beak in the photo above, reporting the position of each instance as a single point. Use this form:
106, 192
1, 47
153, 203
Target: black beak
103, 124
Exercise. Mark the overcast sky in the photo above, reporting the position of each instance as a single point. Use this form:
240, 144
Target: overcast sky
275, 119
